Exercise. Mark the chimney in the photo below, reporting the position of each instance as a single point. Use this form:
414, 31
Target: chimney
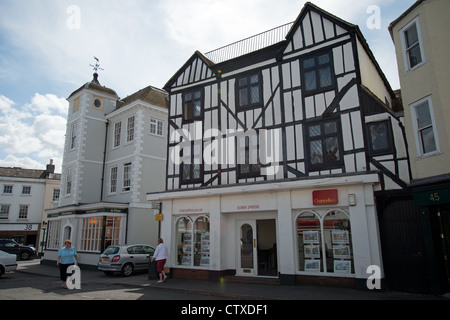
50, 168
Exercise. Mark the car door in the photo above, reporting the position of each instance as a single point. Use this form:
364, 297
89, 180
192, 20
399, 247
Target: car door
140, 260
11, 247
149, 251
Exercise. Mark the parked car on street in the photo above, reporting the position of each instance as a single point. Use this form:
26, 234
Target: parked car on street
125, 259
8, 262
23, 252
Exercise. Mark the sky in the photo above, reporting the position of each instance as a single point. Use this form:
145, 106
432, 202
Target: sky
47, 47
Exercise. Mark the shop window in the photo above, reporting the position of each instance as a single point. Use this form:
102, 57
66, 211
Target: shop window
91, 234
192, 242
201, 242
324, 244
309, 240
54, 232
338, 246
184, 241
112, 231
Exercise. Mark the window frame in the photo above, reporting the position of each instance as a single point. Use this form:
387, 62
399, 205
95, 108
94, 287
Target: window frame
389, 138
193, 118
155, 126
417, 136
325, 165
8, 189
248, 86
131, 121
68, 185
73, 136
56, 194
316, 68
324, 259
192, 164
113, 179
406, 49
254, 169
4, 211
191, 240
23, 211
117, 132
127, 173
26, 190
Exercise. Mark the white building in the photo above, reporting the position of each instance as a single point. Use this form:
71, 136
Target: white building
25, 194
114, 153
276, 154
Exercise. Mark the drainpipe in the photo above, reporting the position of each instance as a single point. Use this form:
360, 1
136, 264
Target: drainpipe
104, 161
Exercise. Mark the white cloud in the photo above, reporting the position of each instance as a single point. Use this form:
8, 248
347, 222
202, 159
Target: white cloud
35, 131
22, 162
47, 104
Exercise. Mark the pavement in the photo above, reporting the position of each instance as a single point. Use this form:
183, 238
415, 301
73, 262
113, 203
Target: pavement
229, 289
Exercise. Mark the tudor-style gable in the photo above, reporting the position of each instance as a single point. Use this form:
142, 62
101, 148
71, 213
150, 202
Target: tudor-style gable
196, 69
293, 110
313, 27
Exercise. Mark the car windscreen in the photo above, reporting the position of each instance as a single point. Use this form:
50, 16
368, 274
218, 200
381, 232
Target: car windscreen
111, 250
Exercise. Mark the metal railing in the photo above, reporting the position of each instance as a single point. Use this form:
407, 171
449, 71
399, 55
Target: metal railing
250, 44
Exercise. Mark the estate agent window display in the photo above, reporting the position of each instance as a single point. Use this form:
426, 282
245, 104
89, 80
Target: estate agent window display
192, 238
324, 243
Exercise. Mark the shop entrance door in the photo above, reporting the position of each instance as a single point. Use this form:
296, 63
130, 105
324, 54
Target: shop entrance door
444, 214
257, 249
247, 253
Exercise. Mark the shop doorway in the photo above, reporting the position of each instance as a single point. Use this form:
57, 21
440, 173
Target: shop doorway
257, 248
444, 226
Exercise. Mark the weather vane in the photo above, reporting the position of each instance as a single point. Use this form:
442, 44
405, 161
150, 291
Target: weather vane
96, 66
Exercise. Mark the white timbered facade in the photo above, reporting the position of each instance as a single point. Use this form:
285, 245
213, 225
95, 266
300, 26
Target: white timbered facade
275, 154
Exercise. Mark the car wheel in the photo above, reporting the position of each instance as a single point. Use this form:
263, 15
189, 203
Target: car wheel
127, 270
2, 271
24, 255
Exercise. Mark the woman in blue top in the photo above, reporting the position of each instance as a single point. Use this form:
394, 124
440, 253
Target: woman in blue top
67, 256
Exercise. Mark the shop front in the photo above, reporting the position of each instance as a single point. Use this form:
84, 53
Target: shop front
22, 233
311, 231
432, 196
91, 228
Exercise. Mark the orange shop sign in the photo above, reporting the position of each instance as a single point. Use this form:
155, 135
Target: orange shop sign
325, 197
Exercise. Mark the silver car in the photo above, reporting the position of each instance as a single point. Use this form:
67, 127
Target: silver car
125, 259
8, 262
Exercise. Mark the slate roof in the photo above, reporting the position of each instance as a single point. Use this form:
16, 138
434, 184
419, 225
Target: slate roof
16, 172
150, 94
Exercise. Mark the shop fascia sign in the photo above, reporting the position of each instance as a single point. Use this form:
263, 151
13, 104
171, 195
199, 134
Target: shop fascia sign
81, 212
325, 197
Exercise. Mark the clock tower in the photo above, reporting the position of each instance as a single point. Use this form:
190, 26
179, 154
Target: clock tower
85, 143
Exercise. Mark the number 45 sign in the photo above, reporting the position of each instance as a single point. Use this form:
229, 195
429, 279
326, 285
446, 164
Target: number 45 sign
73, 280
